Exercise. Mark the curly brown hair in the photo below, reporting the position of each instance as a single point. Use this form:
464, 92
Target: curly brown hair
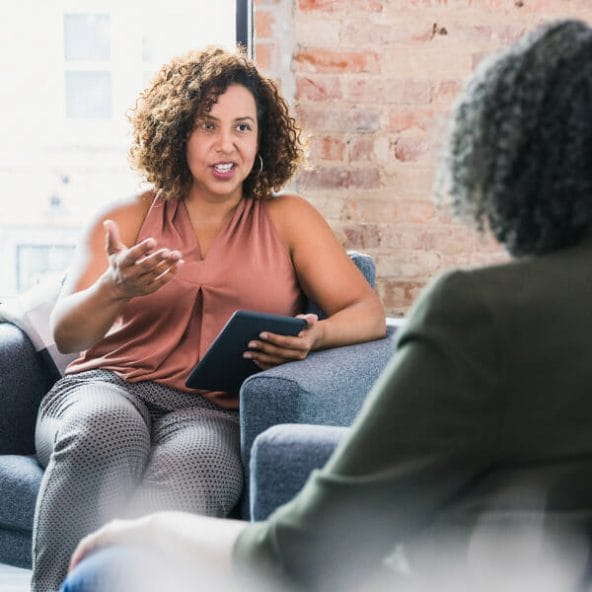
182, 92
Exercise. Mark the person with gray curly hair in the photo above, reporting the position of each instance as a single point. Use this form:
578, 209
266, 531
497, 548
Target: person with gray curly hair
519, 159
469, 466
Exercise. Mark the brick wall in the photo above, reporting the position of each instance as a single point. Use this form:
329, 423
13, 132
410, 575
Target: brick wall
372, 83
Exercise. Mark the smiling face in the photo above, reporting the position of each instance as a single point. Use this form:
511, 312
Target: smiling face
222, 147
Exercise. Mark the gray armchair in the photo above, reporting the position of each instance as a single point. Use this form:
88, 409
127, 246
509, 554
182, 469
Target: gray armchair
326, 388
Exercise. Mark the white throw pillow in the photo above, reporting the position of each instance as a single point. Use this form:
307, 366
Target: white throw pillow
30, 312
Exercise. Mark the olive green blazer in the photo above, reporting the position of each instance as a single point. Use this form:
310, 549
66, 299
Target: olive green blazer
481, 424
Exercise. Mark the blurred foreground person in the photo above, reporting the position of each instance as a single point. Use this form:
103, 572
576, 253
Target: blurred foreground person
470, 465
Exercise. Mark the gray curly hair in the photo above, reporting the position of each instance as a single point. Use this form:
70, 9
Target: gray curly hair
519, 155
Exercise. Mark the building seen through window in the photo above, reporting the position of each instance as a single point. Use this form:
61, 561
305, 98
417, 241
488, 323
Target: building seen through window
71, 70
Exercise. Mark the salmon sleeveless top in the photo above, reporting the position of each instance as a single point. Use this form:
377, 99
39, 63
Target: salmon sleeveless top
160, 337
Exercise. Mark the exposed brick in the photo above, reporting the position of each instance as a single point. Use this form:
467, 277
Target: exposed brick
388, 90
408, 118
447, 91
412, 180
264, 21
339, 178
326, 148
397, 295
311, 30
337, 118
340, 5
408, 265
318, 88
362, 236
263, 53
479, 34
327, 60
434, 61
373, 83
370, 33
416, 211
370, 210
361, 148
411, 148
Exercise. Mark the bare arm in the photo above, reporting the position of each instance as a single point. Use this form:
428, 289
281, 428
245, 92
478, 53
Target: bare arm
106, 274
329, 277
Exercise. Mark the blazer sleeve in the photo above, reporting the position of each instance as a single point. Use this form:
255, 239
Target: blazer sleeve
428, 429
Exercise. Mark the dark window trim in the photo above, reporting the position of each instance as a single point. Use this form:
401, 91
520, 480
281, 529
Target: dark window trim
244, 24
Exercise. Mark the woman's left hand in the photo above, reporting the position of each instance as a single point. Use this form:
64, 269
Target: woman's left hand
272, 349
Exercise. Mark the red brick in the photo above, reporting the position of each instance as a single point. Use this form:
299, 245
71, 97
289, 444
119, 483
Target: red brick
340, 5
263, 53
339, 118
339, 177
263, 26
447, 91
407, 264
385, 90
396, 295
371, 33
369, 209
406, 118
327, 148
416, 211
361, 148
362, 236
411, 148
319, 88
328, 60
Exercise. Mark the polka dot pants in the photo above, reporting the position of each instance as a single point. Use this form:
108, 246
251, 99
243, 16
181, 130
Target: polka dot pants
114, 449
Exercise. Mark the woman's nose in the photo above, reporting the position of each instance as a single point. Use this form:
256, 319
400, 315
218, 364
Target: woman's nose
224, 141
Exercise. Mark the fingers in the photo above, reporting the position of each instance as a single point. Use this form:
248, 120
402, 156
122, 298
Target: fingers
113, 243
140, 269
87, 545
272, 349
121, 531
79, 554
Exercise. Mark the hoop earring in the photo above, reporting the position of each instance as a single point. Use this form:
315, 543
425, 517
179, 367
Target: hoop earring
260, 165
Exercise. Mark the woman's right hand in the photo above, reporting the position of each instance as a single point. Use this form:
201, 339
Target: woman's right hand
140, 269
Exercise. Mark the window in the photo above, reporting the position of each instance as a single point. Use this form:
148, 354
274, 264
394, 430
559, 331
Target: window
74, 68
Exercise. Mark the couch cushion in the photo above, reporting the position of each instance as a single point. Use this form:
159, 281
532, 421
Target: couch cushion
282, 458
20, 478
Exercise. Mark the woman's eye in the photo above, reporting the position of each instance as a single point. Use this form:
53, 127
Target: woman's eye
243, 127
207, 125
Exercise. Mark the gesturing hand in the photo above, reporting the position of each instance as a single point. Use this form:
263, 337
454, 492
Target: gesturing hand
138, 270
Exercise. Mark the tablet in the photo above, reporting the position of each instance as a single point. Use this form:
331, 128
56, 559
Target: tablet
223, 367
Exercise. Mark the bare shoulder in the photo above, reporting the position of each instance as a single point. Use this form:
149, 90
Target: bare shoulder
288, 203
128, 213
291, 213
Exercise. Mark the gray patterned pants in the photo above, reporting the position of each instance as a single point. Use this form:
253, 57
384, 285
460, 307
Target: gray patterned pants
115, 449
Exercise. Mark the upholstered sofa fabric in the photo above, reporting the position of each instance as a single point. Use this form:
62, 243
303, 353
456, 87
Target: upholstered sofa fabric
282, 458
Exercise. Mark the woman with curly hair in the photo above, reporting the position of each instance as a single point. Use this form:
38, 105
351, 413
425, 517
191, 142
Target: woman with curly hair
154, 280
469, 467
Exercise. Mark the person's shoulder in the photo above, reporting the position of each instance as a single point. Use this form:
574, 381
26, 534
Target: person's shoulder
131, 206
292, 208
127, 212
288, 202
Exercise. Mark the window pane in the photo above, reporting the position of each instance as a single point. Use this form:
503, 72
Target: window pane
88, 94
34, 262
61, 163
87, 37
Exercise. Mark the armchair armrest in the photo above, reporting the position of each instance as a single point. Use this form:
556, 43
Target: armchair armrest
327, 388
282, 459
24, 379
